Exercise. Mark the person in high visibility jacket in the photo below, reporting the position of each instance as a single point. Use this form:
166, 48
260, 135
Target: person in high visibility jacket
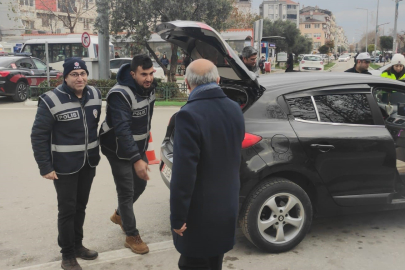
66, 148
396, 71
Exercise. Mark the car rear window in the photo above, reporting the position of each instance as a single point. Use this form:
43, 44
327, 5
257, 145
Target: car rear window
312, 58
5, 62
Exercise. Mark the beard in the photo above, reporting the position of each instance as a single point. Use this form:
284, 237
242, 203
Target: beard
146, 91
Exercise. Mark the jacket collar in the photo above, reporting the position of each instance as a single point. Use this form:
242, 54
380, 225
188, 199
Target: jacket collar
67, 90
206, 91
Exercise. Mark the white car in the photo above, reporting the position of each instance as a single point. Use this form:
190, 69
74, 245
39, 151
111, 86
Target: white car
311, 62
344, 58
379, 71
116, 63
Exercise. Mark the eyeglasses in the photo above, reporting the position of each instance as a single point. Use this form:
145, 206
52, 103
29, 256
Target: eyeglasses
76, 75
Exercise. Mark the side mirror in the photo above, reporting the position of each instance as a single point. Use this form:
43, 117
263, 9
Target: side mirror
50, 68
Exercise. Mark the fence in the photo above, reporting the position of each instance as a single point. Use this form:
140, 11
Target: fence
164, 91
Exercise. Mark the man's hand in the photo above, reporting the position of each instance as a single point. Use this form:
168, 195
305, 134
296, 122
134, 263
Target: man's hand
141, 169
51, 176
181, 230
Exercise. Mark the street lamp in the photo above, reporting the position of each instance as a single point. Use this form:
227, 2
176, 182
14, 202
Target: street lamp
394, 50
366, 28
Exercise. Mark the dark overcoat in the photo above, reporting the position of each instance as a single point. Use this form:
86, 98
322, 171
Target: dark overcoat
204, 189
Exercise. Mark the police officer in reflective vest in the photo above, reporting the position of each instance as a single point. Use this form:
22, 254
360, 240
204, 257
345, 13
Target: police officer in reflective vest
124, 139
397, 70
66, 148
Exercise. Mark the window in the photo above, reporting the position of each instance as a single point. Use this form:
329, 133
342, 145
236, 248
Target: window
79, 51
316, 35
308, 35
302, 108
348, 109
291, 7
271, 17
317, 25
312, 58
317, 45
292, 16
39, 64
85, 23
307, 26
24, 63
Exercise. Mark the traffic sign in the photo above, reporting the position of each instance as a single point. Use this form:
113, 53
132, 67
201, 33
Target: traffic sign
86, 39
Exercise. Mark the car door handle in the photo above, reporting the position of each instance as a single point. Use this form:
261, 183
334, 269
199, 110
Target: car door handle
322, 147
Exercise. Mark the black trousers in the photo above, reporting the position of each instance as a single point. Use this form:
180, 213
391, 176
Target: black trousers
129, 187
73, 194
211, 263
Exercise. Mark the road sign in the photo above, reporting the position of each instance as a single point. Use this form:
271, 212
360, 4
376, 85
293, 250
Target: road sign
86, 39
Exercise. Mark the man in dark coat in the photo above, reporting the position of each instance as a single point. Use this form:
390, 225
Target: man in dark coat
362, 63
204, 190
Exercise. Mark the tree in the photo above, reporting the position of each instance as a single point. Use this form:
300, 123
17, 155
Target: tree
285, 29
370, 48
330, 44
240, 19
386, 42
138, 19
302, 46
74, 10
323, 49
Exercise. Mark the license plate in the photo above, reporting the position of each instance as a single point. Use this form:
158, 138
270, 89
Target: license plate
311, 68
167, 172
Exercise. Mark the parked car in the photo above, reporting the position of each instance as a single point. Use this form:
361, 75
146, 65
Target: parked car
311, 62
344, 58
116, 63
314, 146
18, 73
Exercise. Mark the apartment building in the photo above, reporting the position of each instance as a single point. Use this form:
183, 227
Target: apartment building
244, 5
45, 16
280, 10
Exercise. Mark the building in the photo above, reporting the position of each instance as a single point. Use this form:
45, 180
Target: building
11, 24
320, 25
244, 5
45, 16
280, 10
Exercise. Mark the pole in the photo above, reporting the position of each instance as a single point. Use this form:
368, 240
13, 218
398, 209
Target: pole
47, 62
376, 31
394, 49
103, 40
367, 33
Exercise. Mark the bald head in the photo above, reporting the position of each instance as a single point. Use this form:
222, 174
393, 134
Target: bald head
201, 72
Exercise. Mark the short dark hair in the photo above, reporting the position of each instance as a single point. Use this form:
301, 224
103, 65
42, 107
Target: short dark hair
141, 60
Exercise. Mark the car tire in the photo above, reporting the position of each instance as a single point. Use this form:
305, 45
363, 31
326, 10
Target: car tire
21, 92
279, 229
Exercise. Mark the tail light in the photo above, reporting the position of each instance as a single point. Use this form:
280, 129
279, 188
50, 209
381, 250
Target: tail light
302, 62
4, 73
321, 62
250, 140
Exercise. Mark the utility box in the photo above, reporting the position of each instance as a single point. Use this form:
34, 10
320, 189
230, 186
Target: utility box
92, 67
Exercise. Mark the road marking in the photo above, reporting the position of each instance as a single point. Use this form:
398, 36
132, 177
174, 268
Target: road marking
106, 257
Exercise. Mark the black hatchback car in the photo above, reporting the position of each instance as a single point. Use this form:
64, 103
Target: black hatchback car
315, 144
18, 73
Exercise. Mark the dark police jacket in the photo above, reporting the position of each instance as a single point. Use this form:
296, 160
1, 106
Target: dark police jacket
353, 70
125, 130
64, 134
204, 190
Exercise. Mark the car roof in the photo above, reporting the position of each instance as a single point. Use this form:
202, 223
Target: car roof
287, 82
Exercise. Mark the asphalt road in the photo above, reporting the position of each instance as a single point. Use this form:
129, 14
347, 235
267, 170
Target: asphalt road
28, 210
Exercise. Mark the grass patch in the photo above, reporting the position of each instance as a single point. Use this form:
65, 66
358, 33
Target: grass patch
374, 66
170, 103
329, 66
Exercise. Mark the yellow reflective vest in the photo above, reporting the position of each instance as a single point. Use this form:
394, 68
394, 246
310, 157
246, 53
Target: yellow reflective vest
392, 76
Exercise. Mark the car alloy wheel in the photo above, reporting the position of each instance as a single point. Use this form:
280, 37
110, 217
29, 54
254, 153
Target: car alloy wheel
281, 218
21, 92
276, 215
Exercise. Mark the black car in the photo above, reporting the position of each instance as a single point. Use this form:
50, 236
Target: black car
17, 73
315, 145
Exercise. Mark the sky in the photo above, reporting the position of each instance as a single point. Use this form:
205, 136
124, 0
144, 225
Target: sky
354, 21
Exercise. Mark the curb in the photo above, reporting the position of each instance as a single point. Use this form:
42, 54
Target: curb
106, 257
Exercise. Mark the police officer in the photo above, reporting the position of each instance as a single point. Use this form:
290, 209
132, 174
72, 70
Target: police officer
124, 139
66, 148
362, 63
397, 70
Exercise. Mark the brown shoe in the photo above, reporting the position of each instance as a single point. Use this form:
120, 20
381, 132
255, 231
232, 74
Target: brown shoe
136, 244
70, 264
117, 219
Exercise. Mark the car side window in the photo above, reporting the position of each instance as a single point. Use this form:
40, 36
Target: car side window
39, 64
347, 109
25, 63
302, 108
